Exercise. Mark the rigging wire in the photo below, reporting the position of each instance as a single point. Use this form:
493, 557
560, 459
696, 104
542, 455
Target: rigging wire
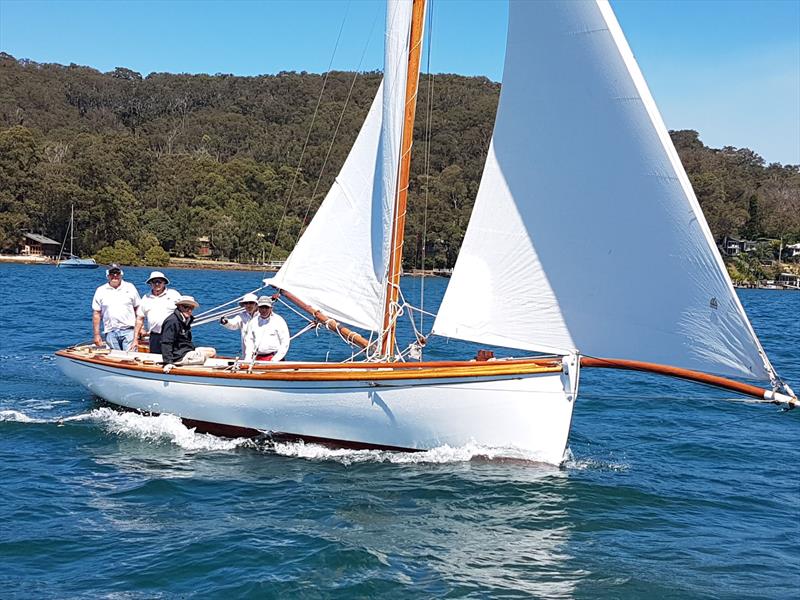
338, 125
428, 135
212, 314
308, 135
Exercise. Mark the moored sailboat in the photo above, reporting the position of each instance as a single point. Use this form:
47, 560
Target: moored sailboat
72, 261
572, 94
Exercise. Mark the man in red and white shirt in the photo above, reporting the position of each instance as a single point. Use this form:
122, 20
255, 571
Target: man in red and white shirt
267, 335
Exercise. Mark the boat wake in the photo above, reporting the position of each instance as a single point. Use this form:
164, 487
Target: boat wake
155, 429
15, 416
158, 429
571, 463
440, 455
168, 429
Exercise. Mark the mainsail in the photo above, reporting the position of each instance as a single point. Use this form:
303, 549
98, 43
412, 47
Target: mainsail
339, 265
586, 233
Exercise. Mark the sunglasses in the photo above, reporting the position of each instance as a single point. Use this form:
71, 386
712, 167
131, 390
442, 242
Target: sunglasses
264, 308
185, 307
115, 274
157, 281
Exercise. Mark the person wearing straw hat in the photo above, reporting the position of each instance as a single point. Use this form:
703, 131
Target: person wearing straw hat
239, 321
114, 304
156, 306
176, 337
267, 336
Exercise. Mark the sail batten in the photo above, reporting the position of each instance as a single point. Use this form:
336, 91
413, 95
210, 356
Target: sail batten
586, 233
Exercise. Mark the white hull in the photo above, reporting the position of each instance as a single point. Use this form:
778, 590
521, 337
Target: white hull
529, 412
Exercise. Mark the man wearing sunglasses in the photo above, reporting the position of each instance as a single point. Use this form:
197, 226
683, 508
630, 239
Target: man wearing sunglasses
114, 305
267, 335
156, 306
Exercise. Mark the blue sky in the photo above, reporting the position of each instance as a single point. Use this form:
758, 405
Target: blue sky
729, 69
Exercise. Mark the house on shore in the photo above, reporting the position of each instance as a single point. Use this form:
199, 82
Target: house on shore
34, 244
789, 280
202, 247
732, 246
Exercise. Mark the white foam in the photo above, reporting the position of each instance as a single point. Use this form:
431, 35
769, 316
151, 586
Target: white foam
591, 464
439, 455
18, 417
158, 429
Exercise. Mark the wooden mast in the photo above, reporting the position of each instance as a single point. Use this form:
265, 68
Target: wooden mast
401, 197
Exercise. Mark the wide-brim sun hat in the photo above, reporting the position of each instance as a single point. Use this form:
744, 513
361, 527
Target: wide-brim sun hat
187, 300
157, 275
248, 298
265, 301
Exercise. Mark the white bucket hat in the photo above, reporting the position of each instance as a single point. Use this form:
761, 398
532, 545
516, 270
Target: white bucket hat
187, 300
157, 275
265, 301
248, 298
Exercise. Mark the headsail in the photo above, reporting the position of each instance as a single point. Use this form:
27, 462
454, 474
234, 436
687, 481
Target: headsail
339, 265
586, 233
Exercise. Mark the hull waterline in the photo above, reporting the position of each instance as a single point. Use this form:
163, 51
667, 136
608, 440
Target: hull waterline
527, 412
78, 263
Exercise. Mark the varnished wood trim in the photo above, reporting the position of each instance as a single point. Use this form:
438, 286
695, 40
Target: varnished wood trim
341, 372
635, 365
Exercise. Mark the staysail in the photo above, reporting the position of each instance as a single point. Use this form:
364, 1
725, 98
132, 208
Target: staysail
339, 265
586, 233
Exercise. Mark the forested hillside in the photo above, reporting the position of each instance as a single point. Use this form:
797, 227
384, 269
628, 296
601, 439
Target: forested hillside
165, 159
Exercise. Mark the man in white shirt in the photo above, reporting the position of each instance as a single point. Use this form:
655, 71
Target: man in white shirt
240, 320
114, 304
267, 336
156, 306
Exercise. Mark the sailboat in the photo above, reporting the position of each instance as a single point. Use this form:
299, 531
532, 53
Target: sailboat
73, 262
580, 164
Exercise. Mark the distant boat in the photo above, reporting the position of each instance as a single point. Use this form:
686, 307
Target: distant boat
73, 262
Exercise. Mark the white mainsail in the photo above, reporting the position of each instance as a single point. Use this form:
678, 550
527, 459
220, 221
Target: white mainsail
586, 233
339, 265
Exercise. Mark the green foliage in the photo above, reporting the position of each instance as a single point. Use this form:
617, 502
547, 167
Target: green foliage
162, 160
122, 253
156, 256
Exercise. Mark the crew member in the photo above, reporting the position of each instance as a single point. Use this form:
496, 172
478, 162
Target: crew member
156, 306
176, 337
240, 320
115, 304
267, 336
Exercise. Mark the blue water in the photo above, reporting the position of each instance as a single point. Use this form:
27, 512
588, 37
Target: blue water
672, 491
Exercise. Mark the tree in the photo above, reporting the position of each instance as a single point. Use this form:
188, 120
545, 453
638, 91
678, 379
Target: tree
122, 253
156, 256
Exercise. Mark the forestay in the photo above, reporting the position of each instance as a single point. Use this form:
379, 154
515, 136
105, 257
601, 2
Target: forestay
339, 265
586, 233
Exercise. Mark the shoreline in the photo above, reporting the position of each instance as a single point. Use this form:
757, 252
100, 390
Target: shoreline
195, 263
